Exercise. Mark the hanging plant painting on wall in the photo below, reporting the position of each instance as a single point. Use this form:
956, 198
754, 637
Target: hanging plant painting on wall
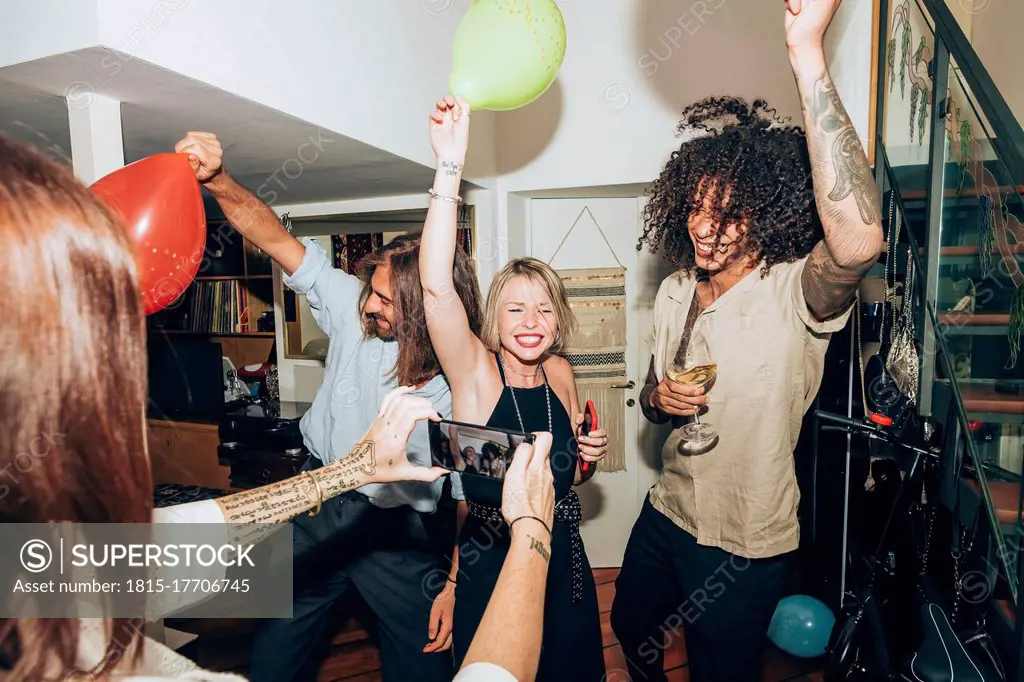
997, 225
913, 68
999, 230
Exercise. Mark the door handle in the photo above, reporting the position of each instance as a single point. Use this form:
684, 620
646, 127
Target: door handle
625, 385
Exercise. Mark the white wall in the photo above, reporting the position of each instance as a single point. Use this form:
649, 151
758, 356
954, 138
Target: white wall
995, 35
368, 70
631, 66
32, 29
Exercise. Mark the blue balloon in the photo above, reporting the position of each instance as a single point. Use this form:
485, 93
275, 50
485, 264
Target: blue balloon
801, 626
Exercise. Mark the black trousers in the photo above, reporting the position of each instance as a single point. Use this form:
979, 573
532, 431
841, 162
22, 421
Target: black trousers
723, 602
385, 555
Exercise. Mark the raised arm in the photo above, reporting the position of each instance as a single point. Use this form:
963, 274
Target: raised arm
332, 293
246, 213
457, 348
844, 188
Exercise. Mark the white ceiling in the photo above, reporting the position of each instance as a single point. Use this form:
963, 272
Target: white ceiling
160, 106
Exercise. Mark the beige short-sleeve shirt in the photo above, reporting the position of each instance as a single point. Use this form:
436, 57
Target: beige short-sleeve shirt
742, 496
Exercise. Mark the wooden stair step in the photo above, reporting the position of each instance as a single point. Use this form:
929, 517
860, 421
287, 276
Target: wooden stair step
1005, 498
983, 398
965, 193
974, 319
974, 250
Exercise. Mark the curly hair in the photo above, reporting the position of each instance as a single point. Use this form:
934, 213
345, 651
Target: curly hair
757, 173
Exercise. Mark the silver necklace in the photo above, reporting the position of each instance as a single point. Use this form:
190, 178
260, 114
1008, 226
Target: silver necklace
525, 376
547, 396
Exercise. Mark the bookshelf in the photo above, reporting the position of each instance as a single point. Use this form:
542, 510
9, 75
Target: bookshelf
230, 293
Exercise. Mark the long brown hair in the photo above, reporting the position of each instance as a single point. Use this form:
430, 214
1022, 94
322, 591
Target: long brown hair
72, 384
417, 362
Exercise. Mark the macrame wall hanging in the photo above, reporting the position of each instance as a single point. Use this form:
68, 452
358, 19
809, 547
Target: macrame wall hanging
597, 353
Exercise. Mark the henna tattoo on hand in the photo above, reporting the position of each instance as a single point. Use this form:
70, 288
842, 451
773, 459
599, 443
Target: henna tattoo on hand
538, 546
351, 471
255, 512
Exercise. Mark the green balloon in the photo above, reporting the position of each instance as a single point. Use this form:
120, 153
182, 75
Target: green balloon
507, 52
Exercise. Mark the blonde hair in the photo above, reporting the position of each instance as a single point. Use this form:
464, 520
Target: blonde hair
541, 273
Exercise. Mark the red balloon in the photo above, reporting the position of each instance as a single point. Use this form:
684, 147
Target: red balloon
159, 200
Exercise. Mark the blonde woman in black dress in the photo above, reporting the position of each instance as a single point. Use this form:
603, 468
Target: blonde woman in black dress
511, 377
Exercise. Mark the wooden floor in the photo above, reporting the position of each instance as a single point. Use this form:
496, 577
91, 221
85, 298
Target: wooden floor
353, 657
778, 665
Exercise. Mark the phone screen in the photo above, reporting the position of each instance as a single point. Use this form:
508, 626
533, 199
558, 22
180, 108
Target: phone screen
473, 449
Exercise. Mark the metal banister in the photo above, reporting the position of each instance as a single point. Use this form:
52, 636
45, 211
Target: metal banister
1007, 134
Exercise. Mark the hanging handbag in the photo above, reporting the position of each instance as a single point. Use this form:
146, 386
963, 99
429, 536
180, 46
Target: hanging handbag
942, 657
888, 401
902, 362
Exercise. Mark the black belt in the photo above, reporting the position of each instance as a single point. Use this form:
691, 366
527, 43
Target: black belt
567, 510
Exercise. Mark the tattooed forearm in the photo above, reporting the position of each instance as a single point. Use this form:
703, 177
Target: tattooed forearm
846, 196
836, 149
351, 472
828, 288
451, 168
650, 385
844, 188
538, 547
284, 500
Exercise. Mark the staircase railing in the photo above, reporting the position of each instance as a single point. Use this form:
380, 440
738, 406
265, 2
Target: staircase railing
943, 354
958, 184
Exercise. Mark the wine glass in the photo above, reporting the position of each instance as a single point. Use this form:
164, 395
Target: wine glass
698, 369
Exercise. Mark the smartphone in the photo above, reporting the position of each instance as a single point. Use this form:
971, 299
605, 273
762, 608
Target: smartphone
473, 449
589, 424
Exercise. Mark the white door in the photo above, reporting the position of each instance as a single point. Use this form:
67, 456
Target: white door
611, 501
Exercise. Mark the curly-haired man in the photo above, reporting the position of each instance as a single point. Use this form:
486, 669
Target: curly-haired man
772, 231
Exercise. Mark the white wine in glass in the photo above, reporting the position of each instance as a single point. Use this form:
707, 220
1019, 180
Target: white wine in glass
697, 376
699, 369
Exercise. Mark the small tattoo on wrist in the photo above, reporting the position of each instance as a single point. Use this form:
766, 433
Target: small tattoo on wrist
538, 546
451, 168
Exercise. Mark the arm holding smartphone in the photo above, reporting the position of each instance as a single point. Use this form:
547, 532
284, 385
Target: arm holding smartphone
507, 643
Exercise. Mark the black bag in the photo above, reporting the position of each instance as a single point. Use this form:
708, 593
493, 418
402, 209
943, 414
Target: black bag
885, 399
942, 657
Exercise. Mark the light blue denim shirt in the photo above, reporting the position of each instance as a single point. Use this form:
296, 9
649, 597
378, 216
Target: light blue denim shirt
357, 377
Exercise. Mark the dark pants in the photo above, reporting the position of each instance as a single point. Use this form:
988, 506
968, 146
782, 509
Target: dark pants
723, 602
388, 558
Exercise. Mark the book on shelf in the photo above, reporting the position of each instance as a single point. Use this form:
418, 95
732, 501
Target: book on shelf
219, 307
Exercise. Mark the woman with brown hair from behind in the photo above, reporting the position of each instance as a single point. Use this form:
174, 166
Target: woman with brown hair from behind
74, 338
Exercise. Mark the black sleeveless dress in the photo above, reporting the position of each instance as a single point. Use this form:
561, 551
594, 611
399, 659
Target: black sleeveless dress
571, 649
